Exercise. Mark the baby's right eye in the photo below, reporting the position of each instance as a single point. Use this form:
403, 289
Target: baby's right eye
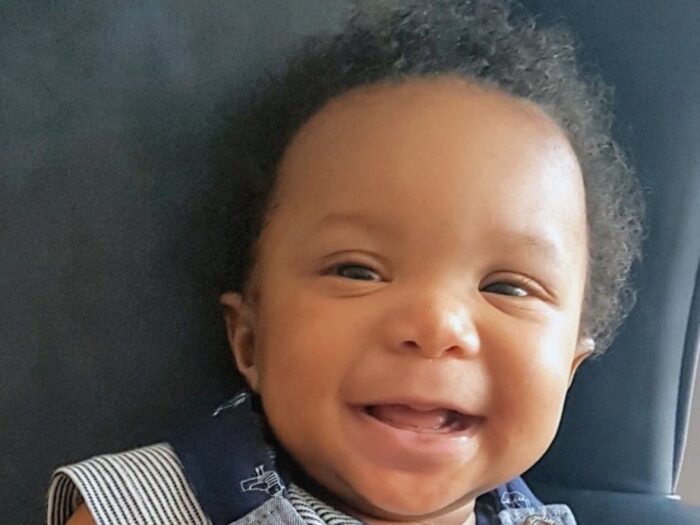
355, 271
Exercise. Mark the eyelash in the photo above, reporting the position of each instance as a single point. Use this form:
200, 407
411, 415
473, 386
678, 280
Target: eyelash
350, 264
522, 283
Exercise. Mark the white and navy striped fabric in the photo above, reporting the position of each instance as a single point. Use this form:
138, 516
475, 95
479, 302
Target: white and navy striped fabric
147, 486
141, 486
314, 511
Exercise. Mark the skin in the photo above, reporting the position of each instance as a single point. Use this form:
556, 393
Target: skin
453, 297
81, 516
459, 275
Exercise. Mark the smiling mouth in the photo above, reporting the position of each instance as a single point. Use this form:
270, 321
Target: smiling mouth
433, 421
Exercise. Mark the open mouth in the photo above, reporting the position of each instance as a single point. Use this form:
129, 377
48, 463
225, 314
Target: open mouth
432, 421
413, 434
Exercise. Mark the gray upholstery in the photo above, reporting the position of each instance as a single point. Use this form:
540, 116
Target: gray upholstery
109, 325
626, 417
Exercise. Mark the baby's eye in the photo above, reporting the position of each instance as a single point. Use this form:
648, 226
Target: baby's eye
506, 288
355, 272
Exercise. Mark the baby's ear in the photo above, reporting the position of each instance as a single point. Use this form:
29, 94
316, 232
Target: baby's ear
241, 337
584, 349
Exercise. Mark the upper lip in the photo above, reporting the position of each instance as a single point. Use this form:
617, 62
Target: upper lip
420, 403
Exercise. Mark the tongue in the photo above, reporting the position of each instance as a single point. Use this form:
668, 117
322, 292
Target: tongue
407, 417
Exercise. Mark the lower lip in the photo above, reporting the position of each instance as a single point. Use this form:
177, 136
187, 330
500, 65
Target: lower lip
406, 449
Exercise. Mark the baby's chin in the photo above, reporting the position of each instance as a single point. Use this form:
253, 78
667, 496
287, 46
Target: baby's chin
385, 500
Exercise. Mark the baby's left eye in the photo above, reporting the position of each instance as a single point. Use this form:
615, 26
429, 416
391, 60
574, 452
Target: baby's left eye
506, 288
355, 271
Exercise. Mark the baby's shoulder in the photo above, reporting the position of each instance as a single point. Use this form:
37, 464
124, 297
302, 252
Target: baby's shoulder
81, 516
141, 485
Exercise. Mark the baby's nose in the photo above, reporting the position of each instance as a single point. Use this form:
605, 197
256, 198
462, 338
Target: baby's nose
434, 324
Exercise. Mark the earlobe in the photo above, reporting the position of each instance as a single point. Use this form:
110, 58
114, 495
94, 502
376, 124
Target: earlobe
584, 349
241, 338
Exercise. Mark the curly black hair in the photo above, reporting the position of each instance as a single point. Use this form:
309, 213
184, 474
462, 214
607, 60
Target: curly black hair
490, 42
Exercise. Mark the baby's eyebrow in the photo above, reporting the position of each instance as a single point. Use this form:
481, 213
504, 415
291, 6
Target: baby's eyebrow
364, 221
545, 247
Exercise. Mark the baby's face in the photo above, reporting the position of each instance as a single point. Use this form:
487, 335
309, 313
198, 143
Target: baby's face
421, 284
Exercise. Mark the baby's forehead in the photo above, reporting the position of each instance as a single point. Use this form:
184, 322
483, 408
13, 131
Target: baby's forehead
409, 141
404, 118
434, 183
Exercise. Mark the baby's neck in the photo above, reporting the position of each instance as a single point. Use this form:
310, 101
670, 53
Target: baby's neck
463, 515
442, 520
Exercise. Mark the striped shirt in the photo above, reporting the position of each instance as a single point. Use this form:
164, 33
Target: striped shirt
147, 486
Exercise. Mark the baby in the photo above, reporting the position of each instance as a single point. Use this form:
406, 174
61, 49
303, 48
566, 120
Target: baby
438, 233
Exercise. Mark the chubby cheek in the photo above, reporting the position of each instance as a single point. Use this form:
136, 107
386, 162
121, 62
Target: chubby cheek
304, 354
530, 381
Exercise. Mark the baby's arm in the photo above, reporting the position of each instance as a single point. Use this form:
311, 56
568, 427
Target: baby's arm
81, 516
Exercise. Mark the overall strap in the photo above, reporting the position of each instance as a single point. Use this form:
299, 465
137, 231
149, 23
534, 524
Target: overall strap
513, 503
227, 460
516, 495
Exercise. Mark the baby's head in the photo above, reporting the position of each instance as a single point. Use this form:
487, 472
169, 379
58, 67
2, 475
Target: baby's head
441, 232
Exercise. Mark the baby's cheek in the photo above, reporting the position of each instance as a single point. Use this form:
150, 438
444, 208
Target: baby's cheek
528, 399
